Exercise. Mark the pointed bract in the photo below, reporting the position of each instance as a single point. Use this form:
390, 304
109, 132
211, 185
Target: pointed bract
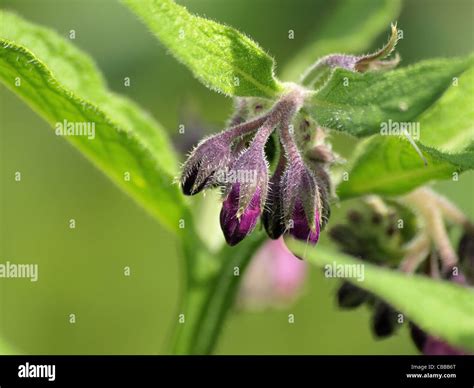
359, 63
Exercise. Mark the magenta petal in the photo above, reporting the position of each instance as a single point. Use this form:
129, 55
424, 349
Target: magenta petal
300, 228
274, 278
437, 347
236, 229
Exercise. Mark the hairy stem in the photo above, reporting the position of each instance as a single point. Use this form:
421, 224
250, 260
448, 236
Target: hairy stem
426, 203
210, 287
416, 251
244, 128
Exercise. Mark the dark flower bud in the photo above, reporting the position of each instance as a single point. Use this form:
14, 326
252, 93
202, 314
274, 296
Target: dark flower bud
370, 235
354, 217
347, 240
350, 296
455, 275
384, 320
272, 216
418, 336
432, 346
466, 254
436, 347
429, 344
466, 247
211, 155
377, 218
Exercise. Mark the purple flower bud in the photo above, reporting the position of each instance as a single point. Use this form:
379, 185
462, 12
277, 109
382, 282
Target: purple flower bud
300, 227
234, 225
210, 155
274, 277
272, 216
213, 154
301, 202
455, 274
432, 346
247, 181
429, 344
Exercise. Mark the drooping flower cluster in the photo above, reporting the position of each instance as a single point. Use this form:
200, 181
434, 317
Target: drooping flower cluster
374, 235
293, 199
294, 196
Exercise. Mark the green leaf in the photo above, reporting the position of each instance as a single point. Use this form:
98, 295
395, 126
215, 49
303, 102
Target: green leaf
390, 165
449, 124
61, 83
222, 58
358, 103
8, 349
350, 29
441, 308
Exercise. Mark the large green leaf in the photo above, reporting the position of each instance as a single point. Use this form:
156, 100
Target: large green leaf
222, 58
61, 83
449, 124
358, 103
350, 29
390, 165
443, 309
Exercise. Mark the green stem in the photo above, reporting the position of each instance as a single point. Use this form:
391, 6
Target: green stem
211, 286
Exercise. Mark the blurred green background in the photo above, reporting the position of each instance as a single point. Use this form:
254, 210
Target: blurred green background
81, 270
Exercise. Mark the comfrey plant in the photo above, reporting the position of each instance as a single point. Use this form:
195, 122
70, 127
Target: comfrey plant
276, 170
373, 233
295, 199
